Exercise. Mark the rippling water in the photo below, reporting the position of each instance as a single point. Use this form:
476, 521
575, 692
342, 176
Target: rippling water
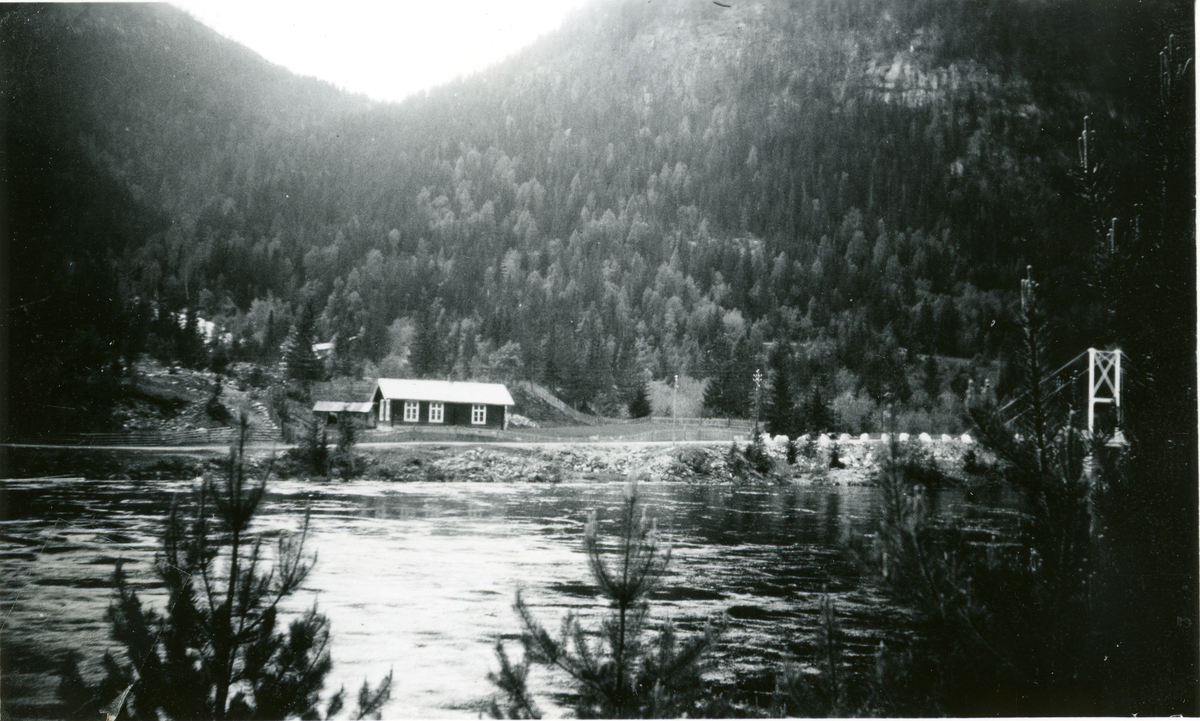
420, 578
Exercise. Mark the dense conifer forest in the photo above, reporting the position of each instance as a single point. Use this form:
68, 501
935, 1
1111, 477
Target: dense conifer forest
840, 198
661, 188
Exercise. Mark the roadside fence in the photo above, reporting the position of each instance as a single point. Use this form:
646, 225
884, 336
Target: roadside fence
588, 434
194, 437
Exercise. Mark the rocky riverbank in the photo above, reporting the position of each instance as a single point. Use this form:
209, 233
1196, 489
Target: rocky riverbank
840, 464
835, 463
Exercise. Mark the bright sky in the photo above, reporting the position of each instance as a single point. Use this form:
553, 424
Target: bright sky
386, 50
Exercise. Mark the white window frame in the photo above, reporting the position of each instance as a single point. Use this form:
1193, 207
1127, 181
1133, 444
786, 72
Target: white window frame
437, 412
412, 411
478, 414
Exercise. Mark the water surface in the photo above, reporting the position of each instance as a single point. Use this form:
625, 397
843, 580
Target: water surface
420, 578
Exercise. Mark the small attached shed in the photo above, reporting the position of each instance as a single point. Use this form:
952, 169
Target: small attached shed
361, 414
399, 401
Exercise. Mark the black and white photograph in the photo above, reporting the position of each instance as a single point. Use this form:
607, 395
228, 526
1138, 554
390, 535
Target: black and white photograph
598, 359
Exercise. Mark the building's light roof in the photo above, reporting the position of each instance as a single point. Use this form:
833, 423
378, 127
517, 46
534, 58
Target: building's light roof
495, 394
339, 406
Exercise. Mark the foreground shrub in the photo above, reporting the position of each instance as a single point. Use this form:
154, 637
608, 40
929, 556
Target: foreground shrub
311, 456
217, 651
215, 408
1000, 626
824, 694
345, 459
619, 674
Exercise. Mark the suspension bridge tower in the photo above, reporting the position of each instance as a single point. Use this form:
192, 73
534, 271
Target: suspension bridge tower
1104, 387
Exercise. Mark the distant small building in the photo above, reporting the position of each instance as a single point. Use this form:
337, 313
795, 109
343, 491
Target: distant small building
399, 402
361, 414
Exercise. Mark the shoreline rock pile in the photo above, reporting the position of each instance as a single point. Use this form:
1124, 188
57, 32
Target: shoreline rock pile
850, 464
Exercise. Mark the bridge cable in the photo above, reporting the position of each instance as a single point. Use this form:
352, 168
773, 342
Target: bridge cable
1046, 380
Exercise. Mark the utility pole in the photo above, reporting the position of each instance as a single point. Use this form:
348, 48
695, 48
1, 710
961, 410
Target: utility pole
674, 404
758, 378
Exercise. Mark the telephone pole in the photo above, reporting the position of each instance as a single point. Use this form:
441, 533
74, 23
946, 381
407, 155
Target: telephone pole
674, 404
758, 379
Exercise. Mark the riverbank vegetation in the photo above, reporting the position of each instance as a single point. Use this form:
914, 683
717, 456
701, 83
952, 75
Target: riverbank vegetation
1021, 625
216, 651
1077, 614
1000, 626
704, 463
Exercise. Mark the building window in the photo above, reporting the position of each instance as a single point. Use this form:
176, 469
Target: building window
478, 415
412, 411
437, 412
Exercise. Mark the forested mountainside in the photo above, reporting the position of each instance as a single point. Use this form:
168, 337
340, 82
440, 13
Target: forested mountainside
656, 189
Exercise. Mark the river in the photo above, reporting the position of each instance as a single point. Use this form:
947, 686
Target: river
420, 578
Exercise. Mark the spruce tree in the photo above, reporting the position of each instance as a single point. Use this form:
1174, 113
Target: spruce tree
345, 456
781, 417
816, 414
312, 452
271, 341
301, 362
931, 381
191, 343
215, 407
730, 392
428, 355
639, 406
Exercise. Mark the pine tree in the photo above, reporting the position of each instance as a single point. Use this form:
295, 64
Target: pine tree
1144, 268
617, 675
1044, 449
1011, 618
217, 651
825, 694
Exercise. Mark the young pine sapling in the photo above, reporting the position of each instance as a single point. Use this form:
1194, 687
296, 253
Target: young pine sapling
618, 674
216, 650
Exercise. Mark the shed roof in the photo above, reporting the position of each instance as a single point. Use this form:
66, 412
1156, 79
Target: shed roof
445, 391
340, 406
